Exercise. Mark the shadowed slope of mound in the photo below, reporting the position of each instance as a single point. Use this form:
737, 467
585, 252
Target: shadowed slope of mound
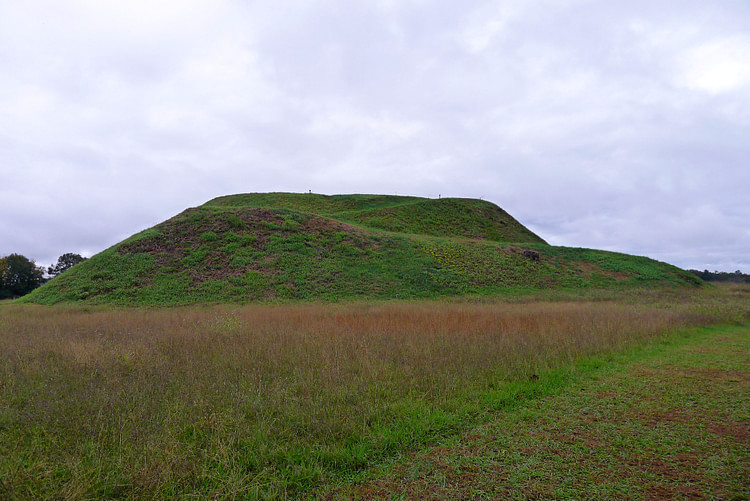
225, 252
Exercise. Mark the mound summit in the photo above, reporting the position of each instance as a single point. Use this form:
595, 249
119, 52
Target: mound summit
285, 246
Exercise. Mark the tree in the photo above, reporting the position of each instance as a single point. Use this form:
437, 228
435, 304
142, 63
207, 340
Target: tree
64, 262
18, 276
722, 276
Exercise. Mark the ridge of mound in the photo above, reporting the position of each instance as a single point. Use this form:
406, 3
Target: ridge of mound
241, 249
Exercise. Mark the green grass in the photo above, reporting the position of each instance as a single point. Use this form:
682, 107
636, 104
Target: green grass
447, 217
244, 248
666, 420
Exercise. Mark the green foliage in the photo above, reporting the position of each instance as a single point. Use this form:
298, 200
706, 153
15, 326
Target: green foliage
208, 236
722, 276
280, 247
64, 263
151, 233
19, 275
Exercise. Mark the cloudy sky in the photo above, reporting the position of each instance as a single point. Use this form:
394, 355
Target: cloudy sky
620, 125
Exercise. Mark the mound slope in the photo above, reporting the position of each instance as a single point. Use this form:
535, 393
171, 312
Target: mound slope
265, 247
447, 217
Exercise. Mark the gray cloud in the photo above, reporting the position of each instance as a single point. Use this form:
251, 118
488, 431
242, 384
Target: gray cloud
612, 125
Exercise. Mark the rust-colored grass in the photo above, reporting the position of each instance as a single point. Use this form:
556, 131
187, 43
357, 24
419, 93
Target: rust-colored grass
270, 401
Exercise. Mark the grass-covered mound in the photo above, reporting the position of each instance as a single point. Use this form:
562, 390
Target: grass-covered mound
269, 247
446, 217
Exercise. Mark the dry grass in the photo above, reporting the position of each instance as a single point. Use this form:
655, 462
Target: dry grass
268, 401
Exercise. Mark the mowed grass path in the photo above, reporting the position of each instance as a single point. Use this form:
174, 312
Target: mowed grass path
671, 422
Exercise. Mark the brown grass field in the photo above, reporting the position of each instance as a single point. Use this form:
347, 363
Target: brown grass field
286, 401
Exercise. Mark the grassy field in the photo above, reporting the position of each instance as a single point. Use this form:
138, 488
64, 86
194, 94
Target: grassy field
671, 421
298, 401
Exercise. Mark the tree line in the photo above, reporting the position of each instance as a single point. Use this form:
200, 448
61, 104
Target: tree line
722, 276
20, 275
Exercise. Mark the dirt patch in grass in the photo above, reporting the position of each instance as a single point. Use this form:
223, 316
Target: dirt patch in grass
669, 493
607, 394
656, 417
731, 429
588, 269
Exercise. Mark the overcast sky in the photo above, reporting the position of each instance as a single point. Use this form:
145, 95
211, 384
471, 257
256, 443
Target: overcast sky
619, 125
